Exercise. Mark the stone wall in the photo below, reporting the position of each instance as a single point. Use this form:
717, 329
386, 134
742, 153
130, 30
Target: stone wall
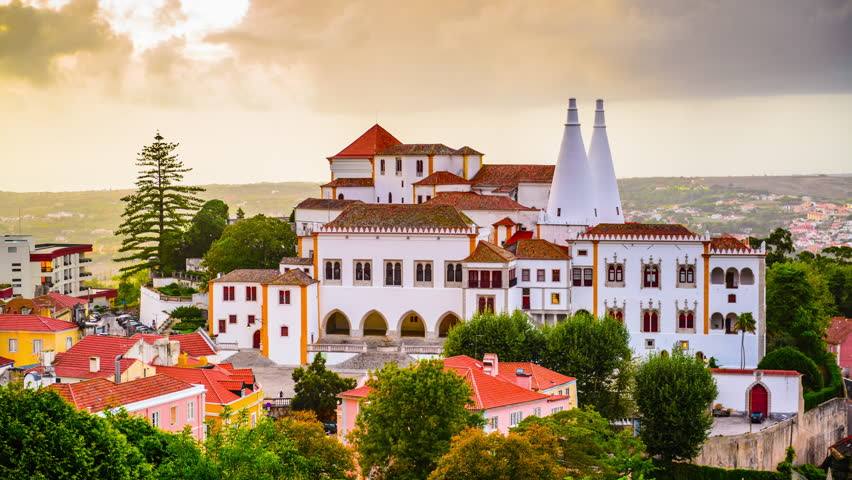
811, 435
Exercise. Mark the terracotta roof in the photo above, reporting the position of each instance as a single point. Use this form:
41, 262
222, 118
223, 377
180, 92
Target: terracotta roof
504, 222
417, 149
465, 150
349, 182
371, 141
382, 216
750, 371
838, 330
443, 178
727, 242
192, 344
501, 175
325, 203
58, 300
487, 252
293, 277
306, 261
359, 392
248, 275
211, 378
475, 201
487, 391
6, 361
75, 362
517, 236
631, 229
100, 394
542, 378
33, 323
538, 249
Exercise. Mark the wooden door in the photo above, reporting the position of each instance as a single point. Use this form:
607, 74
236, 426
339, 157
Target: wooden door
759, 400
255, 339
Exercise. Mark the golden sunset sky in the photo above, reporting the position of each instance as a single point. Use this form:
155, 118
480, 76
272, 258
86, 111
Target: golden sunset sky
264, 90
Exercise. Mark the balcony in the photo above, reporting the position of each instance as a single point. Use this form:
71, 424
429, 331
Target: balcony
85, 260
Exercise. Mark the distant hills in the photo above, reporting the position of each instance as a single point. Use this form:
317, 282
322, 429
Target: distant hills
91, 216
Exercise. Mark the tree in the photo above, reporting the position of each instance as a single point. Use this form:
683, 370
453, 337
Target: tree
673, 394
258, 242
512, 337
745, 324
206, 227
590, 448
408, 419
779, 245
45, 437
160, 206
597, 353
476, 455
317, 388
128, 288
789, 358
240, 213
325, 456
798, 304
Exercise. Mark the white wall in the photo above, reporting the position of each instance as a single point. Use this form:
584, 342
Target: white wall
485, 219
365, 194
540, 292
154, 308
785, 392
533, 195
240, 332
351, 168
307, 220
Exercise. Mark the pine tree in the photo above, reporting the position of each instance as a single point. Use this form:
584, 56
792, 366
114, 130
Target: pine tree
159, 207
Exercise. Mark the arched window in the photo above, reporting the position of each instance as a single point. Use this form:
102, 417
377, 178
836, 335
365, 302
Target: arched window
340, 196
717, 321
382, 166
619, 273
419, 274
458, 272
329, 271
389, 273
451, 273
619, 315
367, 273
337, 270
732, 278
359, 271
686, 320
610, 273
427, 273
681, 275
651, 276
690, 274
397, 273
717, 276
746, 277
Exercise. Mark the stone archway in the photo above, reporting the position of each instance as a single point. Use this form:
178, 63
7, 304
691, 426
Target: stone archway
374, 324
412, 325
447, 322
337, 323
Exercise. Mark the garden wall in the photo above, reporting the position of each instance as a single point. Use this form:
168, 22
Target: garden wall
811, 434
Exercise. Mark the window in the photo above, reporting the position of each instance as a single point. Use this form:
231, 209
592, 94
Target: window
577, 277
422, 274
582, 252
340, 196
650, 321
36, 346
419, 198
650, 344
284, 297
485, 303
587, 277
555, 275
393, 273
555, 410
554, 299
525, 274
537, 411
172, 415
285, 331
223, 326
615, 275
496, 279
651, 276
398, 166
558, 212
686, 276
539, 275
13, 345
515, 418
732, 298
382, 166
155, 419
332, 271
616, 313
493, 423
228, 294
232, 319
12, 249
683, 345
686, 321
390, 197
484, 279
251, 319
419, 168
190, 410
472, 279
363, 272
525, 299
251, 294
69, 342
454, 274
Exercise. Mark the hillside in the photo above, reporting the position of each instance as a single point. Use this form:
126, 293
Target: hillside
706, 203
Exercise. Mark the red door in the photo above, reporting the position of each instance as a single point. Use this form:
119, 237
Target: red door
759, 400
222, 326
255, 340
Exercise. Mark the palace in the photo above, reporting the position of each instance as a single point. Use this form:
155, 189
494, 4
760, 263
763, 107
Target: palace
407, 240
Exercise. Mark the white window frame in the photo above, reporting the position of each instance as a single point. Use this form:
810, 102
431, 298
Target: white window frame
515, 418
13, 345
37, 346
155, 419
190, 410
69, 342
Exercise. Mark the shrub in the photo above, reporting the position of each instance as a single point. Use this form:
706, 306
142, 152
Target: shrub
833, 389
789, 358
177, 290
688, 471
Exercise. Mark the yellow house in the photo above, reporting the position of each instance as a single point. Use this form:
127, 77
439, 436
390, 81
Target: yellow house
23, 338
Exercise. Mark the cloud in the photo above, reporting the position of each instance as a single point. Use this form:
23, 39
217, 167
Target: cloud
35, 41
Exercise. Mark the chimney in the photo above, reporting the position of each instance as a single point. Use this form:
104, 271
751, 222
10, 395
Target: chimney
523, 379
608, 200
167, 352
572, 192
47, 357
94, 364
117, 378
490, 364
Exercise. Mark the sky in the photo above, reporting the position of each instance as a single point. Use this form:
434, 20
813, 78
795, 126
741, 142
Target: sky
265, 90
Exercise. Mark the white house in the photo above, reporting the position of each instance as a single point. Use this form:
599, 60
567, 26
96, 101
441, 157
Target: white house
35, 269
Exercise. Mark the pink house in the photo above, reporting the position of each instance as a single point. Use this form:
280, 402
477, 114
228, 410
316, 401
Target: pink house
168, 403
504, 393
840, 342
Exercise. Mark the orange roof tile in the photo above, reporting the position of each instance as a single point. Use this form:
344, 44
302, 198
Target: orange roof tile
100, 394
727, 242
373, 140
465, 150
75, 362
517, 236
212, 379
10, 322
6, 361
293, 277
325, 203
501, 175
475, 201
487, 252
248, 275
192, 344
358, 392
417, 149
442, 178
504, 222
58, 300
631, 229
538, 249
542, 378
388, 216
838, 330
487, 391
349, 182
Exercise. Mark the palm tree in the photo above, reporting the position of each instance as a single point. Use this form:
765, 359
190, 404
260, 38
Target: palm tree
745, 323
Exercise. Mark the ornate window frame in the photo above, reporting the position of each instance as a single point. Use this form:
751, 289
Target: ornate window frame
614, 310
685, 310
650, 309
658, 265
689, 269
619, 270
366, 272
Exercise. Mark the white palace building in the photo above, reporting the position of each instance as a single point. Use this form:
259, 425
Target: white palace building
409, 239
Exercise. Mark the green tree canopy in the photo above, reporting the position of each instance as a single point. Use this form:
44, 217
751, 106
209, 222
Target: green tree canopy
257, 242
317, 388
673, 394
407, 421
475, 455
512, 337
590, 448
779, 245
325, 456
597, 353
206, 227
159, 207
798, 305
788, 358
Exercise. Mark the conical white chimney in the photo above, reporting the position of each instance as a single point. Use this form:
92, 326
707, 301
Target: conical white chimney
607, 198
571, 199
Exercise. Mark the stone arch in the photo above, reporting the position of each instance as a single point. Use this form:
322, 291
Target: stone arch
717, 321
411, 324
732, 278
717, 276
730, 321
748, 398
446, 322
746, 276
582, 312
373, 323
337, 323
699, 355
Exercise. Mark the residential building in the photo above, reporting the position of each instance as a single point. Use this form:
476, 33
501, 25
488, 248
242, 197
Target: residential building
840, 342
35, 269
27, 338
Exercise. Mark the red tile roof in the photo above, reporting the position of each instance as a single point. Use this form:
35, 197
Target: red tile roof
6, 361
294, 277
838, 330
217, 381
487, 252
542, 378
504, 222
631, 229
192, 344
33, 323
727, 242
443, 178
370, 142
57, 300
538, 249
325, 203
417, 149
248, 275
100, 394
75, 362
358, 392
519, 235
388, 216
487, 391
500, 175
349, 182
750, 371
465, 150
475, 201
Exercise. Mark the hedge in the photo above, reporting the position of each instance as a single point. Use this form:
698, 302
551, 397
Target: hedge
789, 358
688, 471
834, 388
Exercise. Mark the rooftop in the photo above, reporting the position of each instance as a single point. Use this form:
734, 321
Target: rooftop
538, 249
374, 139
475, 201
631, 229
517, 236
193, 344
49, 251
325, 203
502, 175
305, 261
442, 178
838, 330
6, 361
75, 362
727, 242
219, 381
542, 378
293, 277
390, 216
248, 275
487, 252
487, 391
33, 323
100, 394
349, 182
58, 300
